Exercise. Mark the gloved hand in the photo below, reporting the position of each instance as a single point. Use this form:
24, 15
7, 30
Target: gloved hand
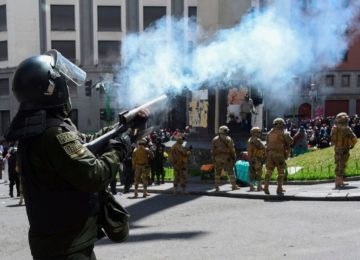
141, 118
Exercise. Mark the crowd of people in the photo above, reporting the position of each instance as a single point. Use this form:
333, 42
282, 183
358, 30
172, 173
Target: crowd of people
315, 133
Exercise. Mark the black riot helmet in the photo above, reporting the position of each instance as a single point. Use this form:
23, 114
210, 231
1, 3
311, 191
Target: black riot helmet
41, 82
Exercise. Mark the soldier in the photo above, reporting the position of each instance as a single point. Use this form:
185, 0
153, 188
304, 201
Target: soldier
256, 153
141, 157
277, 151
224, 155
60, 176
344, 139
178, 156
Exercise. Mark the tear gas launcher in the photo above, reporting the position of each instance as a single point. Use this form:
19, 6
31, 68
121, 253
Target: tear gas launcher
131, 124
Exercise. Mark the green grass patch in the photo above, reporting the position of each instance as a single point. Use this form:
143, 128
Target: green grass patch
316, 165
320, 164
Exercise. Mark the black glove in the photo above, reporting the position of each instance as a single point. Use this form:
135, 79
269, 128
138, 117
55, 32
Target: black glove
140, 119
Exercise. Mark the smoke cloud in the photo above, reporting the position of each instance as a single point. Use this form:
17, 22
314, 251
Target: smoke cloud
268, 49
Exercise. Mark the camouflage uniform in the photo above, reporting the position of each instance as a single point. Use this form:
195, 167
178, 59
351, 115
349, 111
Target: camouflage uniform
277, 151
178, 156
256, 153
141, 163
224, 155
344, 139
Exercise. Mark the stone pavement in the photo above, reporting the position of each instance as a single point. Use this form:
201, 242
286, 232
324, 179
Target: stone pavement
315, 192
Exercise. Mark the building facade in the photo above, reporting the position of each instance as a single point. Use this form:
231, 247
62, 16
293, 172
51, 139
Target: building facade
89, 33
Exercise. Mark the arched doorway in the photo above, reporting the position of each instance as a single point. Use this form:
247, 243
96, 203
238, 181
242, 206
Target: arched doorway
304, 111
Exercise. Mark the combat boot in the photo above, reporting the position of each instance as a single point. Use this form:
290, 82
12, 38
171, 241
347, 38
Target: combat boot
136, 191
259, 187
235, 187
339, 183
280, 190
266, 185
251, 187
145, 193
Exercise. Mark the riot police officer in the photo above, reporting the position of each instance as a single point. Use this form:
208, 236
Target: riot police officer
277, 151
343, 139
60, 175
224, 155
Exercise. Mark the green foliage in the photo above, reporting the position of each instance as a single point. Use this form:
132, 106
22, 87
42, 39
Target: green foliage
169, 173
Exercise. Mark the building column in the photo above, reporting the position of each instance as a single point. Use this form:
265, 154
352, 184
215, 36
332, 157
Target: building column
217, 108
132, 16
177, 8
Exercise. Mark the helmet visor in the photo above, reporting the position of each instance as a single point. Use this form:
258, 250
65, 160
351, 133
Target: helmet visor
70, 71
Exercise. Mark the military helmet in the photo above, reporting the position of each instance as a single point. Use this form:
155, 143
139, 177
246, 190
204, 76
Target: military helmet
255, 131
179, 137
278, 122
224, 129
342, 118
142, 141
41, 82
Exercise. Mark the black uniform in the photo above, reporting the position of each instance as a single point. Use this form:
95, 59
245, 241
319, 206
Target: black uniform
157, 169
13, 175
61, 178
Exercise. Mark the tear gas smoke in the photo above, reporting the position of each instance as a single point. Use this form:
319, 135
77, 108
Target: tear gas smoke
267, 49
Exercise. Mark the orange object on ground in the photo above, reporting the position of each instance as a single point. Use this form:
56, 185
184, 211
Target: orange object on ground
207, 167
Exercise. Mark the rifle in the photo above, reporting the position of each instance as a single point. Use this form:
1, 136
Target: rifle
126, 121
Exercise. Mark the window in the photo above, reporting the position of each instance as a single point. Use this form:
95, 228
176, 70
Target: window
345, 57
345, 80
62, 18
4, 87
109, 18
3, 26
153, 13
358, 81
109, 51
4, 121
330, 80
67, 49
192, 12
3, 51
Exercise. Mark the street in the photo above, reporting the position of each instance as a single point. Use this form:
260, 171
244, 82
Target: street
208, 227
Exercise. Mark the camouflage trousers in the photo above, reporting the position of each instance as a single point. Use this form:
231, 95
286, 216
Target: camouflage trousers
274, 160
227, 166
180, 176
341, 157
142, 174
255, 165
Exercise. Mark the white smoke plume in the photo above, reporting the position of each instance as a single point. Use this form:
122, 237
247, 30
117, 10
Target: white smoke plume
268, 48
